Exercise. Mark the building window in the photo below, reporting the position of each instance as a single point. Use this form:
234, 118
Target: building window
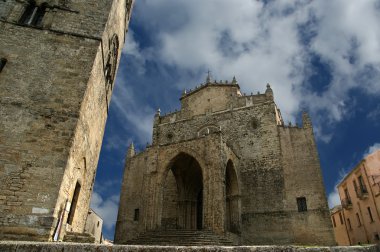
349, 224
333, 219
346, 193
3, 61
137, 214
110, 68
370, 214
341, 218
74, 203
363, 188
301, 203
33, 14
358, 218
128, 6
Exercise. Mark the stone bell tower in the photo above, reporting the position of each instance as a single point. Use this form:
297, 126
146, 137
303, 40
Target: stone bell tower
57, 72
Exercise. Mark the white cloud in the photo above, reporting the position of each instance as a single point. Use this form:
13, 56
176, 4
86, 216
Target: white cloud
132, 49
262, 43
135, 112
333, 198
371, 149
106, 208
374, 115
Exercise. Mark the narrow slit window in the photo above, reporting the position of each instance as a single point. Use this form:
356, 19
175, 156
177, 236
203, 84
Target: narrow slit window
363, 188
136, 217
370, 214
301, 203
333, 219
341, 218
3, 61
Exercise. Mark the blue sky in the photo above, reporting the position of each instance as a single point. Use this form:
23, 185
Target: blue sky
318, 56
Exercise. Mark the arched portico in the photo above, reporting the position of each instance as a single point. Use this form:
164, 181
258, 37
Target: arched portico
182, 194
232, 218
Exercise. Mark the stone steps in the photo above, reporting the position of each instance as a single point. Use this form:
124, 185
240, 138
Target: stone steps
181, 238
79, 237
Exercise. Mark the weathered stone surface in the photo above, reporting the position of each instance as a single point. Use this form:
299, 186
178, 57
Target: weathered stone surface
227, 163
75, 247
54, 97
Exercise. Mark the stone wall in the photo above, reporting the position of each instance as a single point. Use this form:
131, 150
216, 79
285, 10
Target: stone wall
53, 104
73, 247
303, 178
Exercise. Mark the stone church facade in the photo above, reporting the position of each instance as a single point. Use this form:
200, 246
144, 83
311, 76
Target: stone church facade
58, 65
226, 163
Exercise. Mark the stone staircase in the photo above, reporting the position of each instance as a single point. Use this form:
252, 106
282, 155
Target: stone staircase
180, 238
79, 237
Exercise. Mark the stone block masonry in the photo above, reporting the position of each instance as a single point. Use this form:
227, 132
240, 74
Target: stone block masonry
55, 90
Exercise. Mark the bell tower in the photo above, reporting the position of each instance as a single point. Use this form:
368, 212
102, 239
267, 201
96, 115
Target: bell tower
59, 59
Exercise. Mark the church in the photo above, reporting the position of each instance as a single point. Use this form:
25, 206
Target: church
225, 169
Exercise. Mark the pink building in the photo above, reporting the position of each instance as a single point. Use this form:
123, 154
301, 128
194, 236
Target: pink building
359, 193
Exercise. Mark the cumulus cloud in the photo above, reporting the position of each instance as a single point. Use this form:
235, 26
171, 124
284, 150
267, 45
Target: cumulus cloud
268, 41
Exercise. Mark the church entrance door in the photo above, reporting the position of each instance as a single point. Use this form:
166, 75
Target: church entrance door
183, 194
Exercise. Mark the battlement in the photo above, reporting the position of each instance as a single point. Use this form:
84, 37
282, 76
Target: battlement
213, 97
187, 93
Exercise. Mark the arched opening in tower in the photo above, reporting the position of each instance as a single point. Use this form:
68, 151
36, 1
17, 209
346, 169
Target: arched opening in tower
183, 195
232, 199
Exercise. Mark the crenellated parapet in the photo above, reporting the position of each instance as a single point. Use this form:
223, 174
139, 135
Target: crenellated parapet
215, 97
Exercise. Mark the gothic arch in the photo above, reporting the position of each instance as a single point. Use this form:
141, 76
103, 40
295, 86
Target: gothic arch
165, 167
182, 193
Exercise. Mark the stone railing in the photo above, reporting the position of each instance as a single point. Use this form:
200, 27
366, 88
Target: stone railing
77, 247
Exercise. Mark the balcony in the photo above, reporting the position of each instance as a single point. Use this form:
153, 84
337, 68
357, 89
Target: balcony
347, 203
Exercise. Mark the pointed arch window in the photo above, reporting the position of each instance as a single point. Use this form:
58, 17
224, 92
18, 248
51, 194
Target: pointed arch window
33, 14
128, 7
110, 69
